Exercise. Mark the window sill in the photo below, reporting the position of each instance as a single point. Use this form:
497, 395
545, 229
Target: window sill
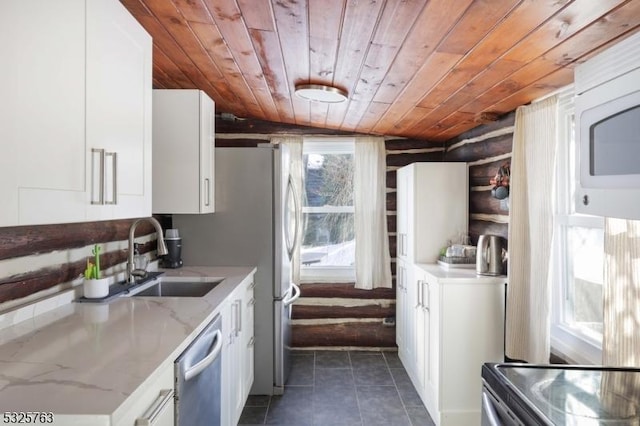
327, 275
572, 346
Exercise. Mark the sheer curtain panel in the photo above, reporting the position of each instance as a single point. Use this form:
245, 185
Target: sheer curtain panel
373, 262
531, 231
621, 334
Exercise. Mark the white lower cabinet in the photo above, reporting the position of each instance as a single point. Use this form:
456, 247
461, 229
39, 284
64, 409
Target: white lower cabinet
458, 324
405, 321
237, 356
155, 405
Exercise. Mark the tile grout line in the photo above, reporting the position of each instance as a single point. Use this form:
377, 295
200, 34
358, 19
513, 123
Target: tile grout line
355, 388
395, 384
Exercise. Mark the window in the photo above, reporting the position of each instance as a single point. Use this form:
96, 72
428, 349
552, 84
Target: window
576, 329
328, 243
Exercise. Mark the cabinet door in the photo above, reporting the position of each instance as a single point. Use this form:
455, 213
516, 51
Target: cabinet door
42, 117
118, 111
432, 373
410, 294
439, 196
207, 145
248, 341
400, 306
421, 312
183, 151
237, 349
229, 364
402, 223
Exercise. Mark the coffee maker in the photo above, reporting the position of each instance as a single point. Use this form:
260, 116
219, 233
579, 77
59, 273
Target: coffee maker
174, 246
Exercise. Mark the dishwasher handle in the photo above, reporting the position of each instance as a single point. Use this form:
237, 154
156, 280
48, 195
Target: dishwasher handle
206, 361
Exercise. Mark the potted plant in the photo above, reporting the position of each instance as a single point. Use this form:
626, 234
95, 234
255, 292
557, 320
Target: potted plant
95, 286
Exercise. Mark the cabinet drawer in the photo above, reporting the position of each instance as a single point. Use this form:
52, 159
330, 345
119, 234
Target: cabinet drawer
147, 397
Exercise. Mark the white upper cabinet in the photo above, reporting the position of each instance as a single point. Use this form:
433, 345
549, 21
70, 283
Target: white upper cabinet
118, 108
42, 115
183, 151
80, 79
432, 208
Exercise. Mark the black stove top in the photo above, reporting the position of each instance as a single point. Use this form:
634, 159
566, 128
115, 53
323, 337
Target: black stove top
570, 395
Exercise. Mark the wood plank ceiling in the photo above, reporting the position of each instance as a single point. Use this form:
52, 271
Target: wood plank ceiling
426, 69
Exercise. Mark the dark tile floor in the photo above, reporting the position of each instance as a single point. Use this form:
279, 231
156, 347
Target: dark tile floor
339, 388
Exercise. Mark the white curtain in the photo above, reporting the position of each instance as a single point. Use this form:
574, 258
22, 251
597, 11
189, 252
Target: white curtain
294, 143
621, 335
531, 231
373, 262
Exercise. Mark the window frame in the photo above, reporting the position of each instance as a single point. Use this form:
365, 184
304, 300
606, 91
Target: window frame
567, 340
334, 274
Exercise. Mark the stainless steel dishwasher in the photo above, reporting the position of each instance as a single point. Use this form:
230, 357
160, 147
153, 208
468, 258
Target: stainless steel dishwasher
198, 379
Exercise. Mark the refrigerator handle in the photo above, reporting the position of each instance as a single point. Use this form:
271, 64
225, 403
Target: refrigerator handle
293, 297
292, 196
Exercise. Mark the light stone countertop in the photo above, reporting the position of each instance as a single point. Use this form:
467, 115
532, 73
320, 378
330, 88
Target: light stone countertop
87, 358
459, 275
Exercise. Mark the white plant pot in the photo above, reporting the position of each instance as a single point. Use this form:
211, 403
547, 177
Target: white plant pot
96, 288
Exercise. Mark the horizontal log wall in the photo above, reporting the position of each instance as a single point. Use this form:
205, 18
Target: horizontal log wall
43, 259
339, 315
485, 149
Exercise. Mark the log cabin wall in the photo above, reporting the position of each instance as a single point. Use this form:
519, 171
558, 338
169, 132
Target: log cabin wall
37, 261
337, 315
485, 149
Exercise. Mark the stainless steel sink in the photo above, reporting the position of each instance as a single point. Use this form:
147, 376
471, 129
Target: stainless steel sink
167, 288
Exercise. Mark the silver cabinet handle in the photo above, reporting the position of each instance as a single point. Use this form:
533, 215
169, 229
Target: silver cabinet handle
419, 295
207, 192
234, 320
425, 290
252, 285
252, 341
114, 176
404, 248
404, 244
251, 302
206, 361
158, 406
100, 187
239, 311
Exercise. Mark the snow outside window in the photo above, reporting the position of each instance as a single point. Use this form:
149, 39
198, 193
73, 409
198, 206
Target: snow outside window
328, 242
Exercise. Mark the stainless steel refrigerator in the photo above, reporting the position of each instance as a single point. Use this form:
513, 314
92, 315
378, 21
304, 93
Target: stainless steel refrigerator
254, 224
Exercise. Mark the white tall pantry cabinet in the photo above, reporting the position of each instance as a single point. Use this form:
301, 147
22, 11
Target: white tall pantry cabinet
447, 322
432, 201
75, 116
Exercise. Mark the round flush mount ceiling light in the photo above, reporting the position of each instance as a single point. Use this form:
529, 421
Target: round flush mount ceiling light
321, 93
